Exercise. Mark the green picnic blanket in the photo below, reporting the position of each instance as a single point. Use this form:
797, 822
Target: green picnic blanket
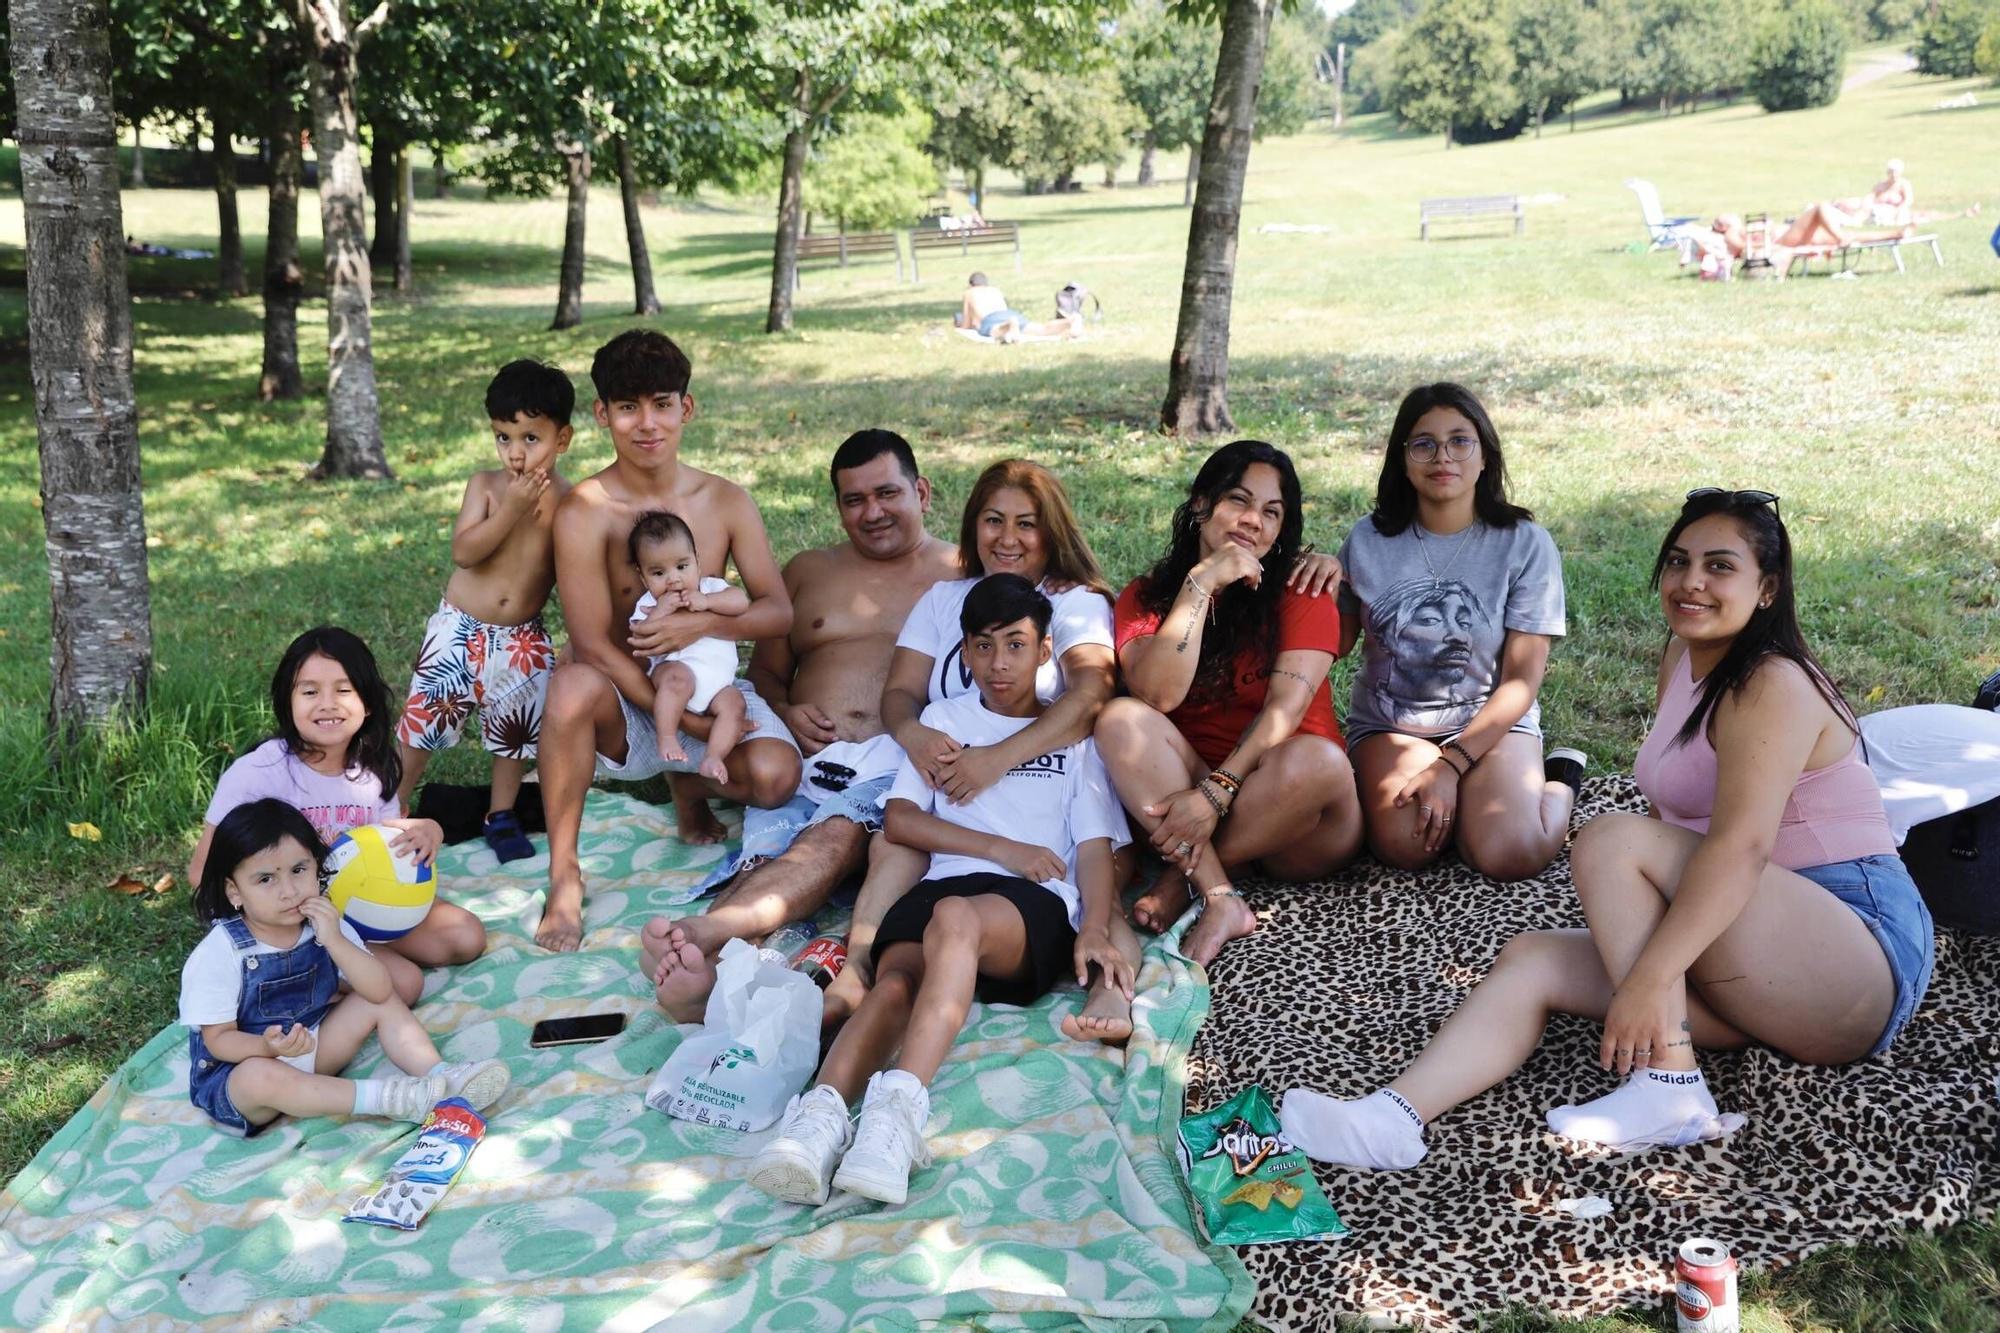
1055, 1201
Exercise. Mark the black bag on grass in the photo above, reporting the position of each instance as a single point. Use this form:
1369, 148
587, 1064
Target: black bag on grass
1956, 860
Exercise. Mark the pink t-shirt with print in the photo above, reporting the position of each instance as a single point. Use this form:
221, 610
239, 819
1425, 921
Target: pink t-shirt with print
332, 805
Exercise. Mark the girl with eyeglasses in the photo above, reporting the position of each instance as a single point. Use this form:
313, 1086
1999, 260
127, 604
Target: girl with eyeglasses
1759, 899
1461, 595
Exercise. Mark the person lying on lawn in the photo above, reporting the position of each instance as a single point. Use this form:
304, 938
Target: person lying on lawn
1019, 892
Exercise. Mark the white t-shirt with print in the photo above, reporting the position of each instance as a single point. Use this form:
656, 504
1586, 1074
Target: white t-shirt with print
212, 979
1077, 617
1059, 801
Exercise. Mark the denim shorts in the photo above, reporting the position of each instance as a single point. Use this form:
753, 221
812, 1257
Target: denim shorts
1883, 895
768, 833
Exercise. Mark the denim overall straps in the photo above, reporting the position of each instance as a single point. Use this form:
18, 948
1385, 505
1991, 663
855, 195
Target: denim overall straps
297, 985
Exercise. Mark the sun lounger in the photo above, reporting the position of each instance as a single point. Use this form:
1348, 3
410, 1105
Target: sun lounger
1849, 256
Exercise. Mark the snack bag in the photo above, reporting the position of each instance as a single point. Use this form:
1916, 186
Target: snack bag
421, 1176
1252, 1184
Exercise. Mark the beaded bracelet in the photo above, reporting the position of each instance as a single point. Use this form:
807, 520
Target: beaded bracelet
1464, 754
1211, 798
1448, 762
1226, 781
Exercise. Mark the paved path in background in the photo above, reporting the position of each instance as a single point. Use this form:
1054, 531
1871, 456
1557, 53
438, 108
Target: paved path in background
1880, 68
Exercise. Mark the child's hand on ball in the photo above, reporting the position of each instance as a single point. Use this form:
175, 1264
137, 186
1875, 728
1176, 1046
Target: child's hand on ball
282, 1043
418, 839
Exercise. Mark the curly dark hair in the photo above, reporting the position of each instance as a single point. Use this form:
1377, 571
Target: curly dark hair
1244, 618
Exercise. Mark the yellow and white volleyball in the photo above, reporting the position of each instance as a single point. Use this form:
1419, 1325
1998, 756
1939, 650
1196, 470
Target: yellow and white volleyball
382, 895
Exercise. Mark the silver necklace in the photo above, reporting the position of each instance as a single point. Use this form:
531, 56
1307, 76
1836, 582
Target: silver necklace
1423, 548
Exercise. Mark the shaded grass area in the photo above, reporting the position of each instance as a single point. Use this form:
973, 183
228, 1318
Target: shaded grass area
1617, 386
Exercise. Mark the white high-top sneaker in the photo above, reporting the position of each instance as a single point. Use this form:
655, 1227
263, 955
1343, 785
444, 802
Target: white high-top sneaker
795, 1165
888, 1142
480, 1082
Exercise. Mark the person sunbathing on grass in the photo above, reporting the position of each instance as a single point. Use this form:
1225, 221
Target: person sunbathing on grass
1760, 898
1018, 895
1228, 752
984, 310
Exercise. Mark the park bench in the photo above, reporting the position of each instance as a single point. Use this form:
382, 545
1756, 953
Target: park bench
845, 245
1467, 208
962, 239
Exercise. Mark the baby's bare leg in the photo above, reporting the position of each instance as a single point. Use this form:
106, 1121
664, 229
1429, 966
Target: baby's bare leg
673, 686
727, 709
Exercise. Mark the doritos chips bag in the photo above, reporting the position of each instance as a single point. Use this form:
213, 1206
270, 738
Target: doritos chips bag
1252, 1184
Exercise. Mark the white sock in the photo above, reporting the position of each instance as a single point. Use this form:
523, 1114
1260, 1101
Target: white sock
1379, 1132
910, 1083
1654, 1108
368, 1095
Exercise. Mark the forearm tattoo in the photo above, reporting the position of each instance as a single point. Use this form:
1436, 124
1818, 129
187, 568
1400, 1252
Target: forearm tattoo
1194, 614
1298, 676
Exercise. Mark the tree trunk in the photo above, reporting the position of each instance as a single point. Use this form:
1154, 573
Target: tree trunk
569, 297
404, 184
791, 188
80, 364
644, 300
382, 188
138, 161
1148, 150
1198, 376
979, 187
1193, 176
284, 280
353, 423
229, 227
440, 174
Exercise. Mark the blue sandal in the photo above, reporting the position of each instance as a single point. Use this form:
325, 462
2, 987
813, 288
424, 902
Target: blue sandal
504, 836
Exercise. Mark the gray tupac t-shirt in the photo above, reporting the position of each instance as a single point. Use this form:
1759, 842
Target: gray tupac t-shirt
1432, 632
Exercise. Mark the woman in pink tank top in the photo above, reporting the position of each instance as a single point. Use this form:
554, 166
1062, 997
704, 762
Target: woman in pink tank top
1759, 899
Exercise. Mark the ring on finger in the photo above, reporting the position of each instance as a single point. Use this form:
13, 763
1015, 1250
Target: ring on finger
1184, 848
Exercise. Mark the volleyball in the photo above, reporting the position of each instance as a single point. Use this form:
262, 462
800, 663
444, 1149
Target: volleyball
382, 895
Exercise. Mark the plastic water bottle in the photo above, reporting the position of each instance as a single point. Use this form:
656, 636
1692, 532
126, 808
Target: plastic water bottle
788, 939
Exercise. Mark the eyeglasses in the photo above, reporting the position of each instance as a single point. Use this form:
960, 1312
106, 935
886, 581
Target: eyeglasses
1703, 493
1425, 450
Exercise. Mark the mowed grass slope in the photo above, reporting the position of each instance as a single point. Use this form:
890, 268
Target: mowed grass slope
1617, 386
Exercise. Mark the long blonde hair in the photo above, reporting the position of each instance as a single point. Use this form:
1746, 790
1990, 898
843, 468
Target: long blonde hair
1070, 558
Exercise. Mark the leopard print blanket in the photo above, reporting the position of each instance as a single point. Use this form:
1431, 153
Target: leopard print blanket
1343, 983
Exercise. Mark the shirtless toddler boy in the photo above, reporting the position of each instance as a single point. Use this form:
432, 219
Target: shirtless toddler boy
486, 647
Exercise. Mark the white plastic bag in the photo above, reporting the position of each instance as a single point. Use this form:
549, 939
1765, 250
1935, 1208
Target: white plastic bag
758, 1044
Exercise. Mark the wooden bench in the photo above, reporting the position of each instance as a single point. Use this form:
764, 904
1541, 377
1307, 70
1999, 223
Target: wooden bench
845, 245
1469, 208
962, 239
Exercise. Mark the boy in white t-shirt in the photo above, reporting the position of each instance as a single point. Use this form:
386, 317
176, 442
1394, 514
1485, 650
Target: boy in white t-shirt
699, 678
1020, 892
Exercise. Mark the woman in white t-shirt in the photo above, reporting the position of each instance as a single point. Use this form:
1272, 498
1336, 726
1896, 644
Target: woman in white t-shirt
1018, 520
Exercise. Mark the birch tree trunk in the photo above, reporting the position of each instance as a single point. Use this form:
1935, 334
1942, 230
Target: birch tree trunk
353, 423
644, 300
284, 280
791, 192
229, 274
1198, 375
569, 296
80, 363
404, 184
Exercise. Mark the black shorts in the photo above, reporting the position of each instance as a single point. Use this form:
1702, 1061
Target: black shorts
1044, 919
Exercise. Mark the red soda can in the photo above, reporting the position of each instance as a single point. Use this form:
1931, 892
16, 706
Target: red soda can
1705, 1287
821, 959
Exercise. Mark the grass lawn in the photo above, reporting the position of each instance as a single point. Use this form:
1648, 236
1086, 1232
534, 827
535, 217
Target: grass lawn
1617, 385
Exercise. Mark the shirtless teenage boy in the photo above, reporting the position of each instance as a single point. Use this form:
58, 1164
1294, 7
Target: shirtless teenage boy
825, 679
599, 711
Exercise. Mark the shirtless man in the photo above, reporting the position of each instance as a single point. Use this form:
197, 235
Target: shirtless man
825, 680
599, 710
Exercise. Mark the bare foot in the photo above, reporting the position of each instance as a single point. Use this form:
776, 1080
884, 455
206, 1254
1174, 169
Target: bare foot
1162, 905
714, 770
684, 976
697, 824
843, 996
652, 944
1106, 1017
1226, 917
562, 916
670, 749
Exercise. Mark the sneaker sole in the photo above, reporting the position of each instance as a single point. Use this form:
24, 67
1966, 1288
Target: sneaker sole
880, 1185
487, 1086
788, 1175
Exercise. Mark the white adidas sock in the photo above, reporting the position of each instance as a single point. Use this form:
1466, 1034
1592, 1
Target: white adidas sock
1379, 1132
368, 1095
1654, 1108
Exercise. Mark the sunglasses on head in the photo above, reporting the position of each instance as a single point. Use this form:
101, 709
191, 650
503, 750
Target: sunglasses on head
1704, 494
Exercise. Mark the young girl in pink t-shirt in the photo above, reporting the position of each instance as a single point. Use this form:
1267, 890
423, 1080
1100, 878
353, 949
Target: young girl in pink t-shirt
334, 758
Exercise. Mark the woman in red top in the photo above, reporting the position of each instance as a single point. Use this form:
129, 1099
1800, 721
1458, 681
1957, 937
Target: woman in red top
1229, 709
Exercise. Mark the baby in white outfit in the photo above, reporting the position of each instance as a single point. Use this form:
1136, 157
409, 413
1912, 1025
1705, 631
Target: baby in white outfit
699, 678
